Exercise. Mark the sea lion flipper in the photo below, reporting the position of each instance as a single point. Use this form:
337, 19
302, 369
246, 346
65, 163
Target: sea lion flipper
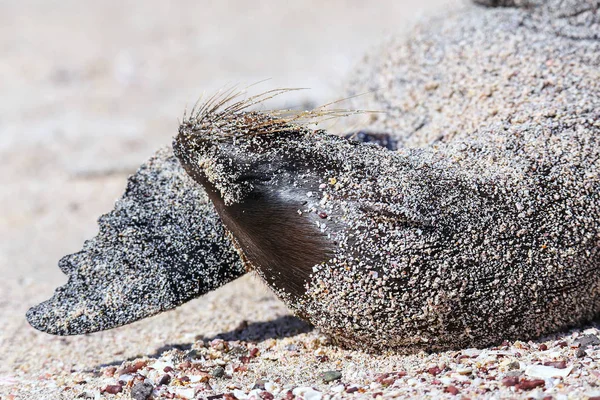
162, 245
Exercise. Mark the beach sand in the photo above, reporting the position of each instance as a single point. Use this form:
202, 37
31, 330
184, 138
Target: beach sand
91, 90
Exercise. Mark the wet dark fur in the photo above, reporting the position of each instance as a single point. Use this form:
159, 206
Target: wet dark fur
281, 245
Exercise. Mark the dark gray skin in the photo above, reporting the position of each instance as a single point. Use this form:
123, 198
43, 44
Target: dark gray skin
480, 235
161, 246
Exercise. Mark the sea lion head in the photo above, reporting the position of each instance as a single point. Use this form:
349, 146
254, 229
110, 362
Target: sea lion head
161, 246
263, 176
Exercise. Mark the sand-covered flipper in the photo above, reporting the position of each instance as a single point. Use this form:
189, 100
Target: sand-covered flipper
162, 245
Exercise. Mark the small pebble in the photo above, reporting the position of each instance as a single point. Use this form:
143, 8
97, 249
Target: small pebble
514, 365
165, 379
452, 390
556, 364
272, 387
141, 391
238, 350
113, 389
330, 376
259, 384
587, 340
218, 372
510, 381
515, 373
307, 393
530, 384
545, 372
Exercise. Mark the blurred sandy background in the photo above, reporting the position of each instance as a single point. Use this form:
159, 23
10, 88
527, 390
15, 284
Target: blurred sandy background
90, 89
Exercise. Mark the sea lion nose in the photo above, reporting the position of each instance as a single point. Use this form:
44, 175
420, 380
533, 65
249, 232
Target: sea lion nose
68, 263
161, 246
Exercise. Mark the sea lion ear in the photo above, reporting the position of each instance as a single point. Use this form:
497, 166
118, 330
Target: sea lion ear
162, 245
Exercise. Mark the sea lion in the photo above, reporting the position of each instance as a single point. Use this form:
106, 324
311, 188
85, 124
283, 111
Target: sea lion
483, 226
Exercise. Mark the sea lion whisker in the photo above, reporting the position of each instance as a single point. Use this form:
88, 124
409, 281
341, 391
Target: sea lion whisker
260, 98
227, 96
193, 111
216, 101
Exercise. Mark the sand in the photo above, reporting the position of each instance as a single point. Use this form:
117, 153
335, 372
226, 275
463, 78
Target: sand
93, 92
224, 328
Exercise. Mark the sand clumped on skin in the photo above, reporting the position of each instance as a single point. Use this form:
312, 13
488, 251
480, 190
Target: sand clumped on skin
146, 258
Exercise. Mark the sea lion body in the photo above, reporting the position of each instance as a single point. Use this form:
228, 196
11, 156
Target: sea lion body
523, 118
427, 254
483, 226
